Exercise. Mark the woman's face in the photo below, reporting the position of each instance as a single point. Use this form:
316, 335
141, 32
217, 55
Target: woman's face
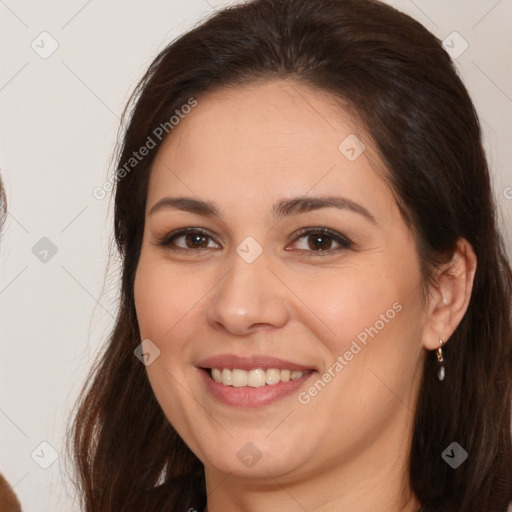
289, 319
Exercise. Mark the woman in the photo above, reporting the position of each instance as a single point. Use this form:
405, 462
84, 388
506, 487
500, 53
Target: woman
315, 304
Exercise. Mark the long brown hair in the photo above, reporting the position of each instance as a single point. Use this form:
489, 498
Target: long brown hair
395, 76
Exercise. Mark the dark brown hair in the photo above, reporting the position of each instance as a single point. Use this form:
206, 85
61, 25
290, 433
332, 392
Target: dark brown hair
396, 78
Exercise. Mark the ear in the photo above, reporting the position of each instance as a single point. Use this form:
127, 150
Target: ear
449, 295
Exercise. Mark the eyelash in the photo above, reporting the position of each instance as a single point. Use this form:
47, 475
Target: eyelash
340, 239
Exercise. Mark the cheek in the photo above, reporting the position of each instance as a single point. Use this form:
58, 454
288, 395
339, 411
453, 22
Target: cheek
163, 297
371, 345
165, 300
368, 315
353, 302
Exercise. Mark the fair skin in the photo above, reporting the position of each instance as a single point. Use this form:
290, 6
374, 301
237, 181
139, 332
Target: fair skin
346, 449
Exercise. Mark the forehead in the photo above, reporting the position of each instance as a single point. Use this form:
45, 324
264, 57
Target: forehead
266, 140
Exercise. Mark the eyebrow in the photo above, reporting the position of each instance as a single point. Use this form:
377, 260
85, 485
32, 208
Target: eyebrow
281, 209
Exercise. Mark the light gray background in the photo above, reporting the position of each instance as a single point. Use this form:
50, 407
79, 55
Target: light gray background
59, 122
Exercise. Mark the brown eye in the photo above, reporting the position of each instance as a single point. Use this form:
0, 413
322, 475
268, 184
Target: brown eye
319, 242
194, 240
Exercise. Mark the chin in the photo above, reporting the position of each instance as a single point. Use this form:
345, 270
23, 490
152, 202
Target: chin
260, 458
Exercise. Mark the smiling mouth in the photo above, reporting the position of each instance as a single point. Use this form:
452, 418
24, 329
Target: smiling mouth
254, 378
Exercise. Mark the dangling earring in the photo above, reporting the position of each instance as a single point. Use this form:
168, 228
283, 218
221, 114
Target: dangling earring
440, 372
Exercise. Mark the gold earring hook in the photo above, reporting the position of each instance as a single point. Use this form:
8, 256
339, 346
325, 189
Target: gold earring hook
439, 352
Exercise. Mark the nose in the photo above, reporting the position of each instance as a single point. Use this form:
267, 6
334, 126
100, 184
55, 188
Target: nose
249, 298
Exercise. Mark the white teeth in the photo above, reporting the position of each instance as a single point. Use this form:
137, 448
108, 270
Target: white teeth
216, 375
285, 375
254, 378
273, 376
239, 378
227, 377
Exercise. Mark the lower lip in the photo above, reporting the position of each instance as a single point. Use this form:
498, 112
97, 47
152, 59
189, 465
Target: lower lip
252, 397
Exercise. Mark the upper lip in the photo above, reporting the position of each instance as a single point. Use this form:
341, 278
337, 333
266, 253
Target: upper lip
250, 363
